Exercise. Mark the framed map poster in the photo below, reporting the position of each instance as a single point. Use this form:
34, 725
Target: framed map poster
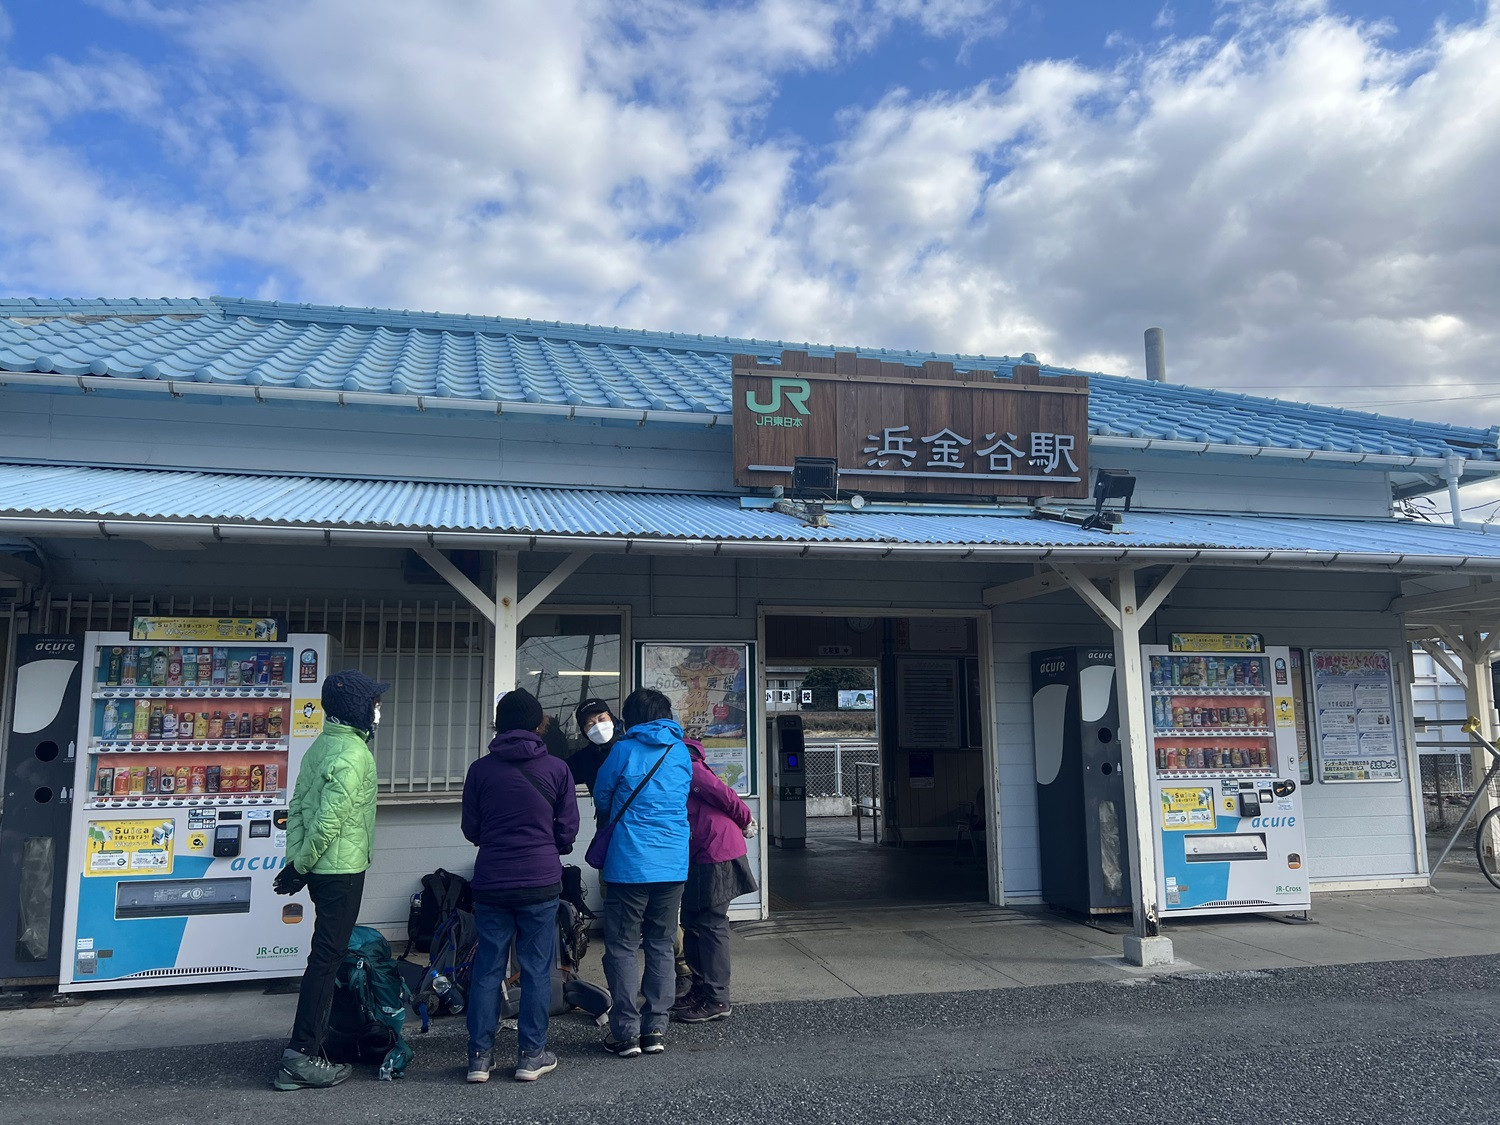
707, 686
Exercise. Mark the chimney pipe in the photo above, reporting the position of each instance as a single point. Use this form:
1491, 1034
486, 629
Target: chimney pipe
1156, 356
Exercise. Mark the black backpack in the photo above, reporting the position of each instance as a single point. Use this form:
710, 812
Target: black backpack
444, 988
442, 893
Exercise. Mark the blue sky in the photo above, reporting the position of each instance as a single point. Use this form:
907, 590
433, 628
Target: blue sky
1298, 191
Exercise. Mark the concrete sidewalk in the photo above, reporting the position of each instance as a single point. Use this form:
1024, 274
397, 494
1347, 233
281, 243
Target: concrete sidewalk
811, 955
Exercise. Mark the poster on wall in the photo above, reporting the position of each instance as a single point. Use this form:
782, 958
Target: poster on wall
1354, 706
706, 684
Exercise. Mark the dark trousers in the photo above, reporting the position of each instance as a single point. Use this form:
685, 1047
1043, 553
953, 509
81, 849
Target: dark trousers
705, 941
533, 931
335, 906
640, 916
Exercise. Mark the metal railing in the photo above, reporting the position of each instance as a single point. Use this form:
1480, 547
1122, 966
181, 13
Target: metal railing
828, 763
867, 798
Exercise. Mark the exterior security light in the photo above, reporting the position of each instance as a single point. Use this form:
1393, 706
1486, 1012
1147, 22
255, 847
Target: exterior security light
1109, 484
815, 478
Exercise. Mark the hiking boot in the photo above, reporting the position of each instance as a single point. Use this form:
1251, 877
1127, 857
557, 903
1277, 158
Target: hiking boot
309, 1072
703, 1011
654, 1042
480, 1065
626, 1049
688, 999
533, 1066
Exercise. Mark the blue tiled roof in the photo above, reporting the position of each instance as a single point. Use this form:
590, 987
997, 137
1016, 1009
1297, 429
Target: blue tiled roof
52, 492
493, 359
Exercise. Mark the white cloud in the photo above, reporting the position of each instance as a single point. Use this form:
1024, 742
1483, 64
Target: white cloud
1295, 202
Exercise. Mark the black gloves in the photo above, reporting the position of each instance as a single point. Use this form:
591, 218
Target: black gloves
289, 881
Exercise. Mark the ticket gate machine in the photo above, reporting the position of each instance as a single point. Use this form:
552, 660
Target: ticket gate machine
788, 812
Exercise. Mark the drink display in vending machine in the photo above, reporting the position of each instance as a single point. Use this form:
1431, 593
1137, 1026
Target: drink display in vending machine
190, 734
1227, 805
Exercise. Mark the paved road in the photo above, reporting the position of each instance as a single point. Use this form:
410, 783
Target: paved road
1397, 1042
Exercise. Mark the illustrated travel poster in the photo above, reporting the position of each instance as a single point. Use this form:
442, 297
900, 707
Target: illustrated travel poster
706, 684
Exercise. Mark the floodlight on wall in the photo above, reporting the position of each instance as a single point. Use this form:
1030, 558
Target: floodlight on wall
815, 478
1109, 484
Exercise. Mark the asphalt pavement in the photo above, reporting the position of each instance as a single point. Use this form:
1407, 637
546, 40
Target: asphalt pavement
1406, 1041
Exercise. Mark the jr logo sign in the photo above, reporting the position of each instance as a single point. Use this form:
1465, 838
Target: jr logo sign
795, 391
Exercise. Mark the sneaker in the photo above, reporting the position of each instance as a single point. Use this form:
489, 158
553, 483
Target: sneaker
626, 1049
533, 1066
654, 1042
480, 1065
688, 999
309, 1072
703, 1011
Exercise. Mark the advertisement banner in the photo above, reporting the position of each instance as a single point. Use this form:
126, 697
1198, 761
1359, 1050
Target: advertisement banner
1354, 704
1183, 808
706, 684
224, 629
1216, 642
118, 847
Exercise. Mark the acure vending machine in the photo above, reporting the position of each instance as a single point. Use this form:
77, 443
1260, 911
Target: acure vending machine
190, 734
1227, 807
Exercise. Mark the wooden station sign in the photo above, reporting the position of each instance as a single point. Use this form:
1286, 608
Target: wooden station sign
911, 430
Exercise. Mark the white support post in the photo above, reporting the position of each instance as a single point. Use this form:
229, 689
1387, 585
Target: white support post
507, 618
1479, 701
1123, 614
1146, 946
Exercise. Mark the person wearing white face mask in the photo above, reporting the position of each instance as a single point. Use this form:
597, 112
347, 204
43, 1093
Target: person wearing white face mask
598, 726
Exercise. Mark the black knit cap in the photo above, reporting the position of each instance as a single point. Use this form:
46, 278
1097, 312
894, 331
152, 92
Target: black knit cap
588, 709
349, 696
517, 710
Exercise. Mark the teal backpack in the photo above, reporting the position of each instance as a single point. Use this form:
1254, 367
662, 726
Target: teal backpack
369, 1008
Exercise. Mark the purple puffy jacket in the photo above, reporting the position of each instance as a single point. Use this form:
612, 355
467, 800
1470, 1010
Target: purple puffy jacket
716, 815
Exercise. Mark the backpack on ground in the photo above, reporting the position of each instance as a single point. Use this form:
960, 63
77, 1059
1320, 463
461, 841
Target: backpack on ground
444, 989
569, 991
368, 1012
442, 893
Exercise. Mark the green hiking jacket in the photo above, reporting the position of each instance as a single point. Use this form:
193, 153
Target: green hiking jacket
330, 826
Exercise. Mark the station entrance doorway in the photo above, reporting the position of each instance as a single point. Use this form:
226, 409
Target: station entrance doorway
892, 759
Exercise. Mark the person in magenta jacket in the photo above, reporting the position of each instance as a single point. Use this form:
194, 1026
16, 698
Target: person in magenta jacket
718, 872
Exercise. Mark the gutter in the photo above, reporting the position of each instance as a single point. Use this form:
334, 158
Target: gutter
178, 388
164, 533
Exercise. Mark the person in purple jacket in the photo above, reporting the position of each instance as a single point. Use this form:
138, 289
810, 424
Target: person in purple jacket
718, 872
521, 811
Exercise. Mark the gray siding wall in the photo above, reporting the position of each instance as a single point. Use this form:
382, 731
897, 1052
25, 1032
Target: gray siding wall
231, 434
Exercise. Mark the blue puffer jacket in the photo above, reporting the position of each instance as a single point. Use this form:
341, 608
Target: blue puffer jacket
650, 843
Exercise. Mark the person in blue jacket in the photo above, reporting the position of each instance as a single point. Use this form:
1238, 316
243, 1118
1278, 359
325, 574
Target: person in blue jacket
646, 867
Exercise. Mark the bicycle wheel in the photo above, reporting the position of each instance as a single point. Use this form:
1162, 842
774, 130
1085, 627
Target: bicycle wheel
1487, 846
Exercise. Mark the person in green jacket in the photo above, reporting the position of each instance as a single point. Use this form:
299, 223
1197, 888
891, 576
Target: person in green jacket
330, 831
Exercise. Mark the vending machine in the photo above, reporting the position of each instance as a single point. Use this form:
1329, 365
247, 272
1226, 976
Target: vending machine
1227, 805
1080, 780
190, 734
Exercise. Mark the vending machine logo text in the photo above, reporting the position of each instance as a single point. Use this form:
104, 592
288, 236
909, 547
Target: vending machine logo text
277, 951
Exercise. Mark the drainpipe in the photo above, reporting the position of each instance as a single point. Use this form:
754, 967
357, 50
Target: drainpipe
1453, 469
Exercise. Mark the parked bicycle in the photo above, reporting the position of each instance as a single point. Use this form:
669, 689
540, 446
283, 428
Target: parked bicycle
1487, 837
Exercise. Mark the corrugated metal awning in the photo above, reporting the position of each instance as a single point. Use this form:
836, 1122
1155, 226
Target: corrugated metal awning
150, 504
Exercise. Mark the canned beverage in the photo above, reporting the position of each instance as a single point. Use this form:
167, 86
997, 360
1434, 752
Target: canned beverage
137, 780
184, 776
276, 722
1172, 759
257, 778
167, 783
169, 723
246, 729
278, 668
258, 724
122, 781
216, 725
151, 779
198, 780
174, 667
104, 781
262, 667
247, 672
211, 779
273, 777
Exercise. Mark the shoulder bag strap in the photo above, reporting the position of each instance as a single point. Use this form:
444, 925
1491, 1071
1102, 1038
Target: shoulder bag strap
535, 784
636, 792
